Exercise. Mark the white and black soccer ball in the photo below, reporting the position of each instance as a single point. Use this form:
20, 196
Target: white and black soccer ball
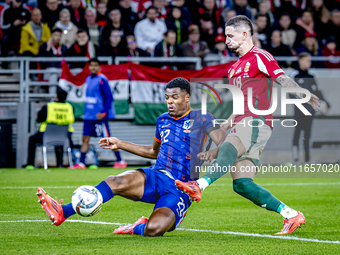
87, 201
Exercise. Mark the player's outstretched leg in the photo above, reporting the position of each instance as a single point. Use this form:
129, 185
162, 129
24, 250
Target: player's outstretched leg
161, 220
227, 155
129, 184
244, 185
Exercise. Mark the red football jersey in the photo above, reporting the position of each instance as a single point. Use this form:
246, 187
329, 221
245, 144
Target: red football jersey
256, 69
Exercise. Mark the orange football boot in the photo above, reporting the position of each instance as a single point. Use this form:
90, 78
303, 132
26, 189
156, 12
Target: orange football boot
191, 188
289, 226
128, 230
53, 209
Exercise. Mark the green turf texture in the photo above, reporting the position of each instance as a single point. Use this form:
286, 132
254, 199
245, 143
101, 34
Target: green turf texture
220, 209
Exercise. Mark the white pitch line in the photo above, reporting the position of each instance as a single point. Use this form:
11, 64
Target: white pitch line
48, 187
195, 230
288, 184
263, 184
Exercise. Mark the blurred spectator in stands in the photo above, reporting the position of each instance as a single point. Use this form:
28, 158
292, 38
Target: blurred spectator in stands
114, 47
102, 14
287, 6
149, 31
77, 13
13, 18
333, 26
278, 49
264, 8
209, 6
175, 22
51, 12
221, 48
228, 15
256, 40
307, 24
330, 50
168, 48
311, 46
194, 47
116, 22
69, 29
82, 48
207, 30
240, 7
320, 12
133, 50
304, 122
33, 35
52, 48
263, 32
288, 33
128, 15
160, 8
92, 28
185, 13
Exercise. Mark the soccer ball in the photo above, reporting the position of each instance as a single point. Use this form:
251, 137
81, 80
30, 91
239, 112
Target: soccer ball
87, 201
322, 110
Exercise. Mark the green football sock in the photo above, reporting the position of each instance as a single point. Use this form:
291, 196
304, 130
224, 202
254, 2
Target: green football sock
226, 157
255, 193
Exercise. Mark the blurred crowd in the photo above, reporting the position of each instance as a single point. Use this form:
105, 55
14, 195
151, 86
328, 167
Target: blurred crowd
168, 28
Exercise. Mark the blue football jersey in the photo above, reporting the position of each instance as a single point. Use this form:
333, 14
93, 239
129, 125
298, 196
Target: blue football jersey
181, 140
99, 97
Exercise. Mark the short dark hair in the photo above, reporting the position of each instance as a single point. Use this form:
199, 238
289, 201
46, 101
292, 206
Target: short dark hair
304, 55
115, 30
181, 83
277, 30
285, 14
150, 8
240, 20
335, 10
61, 94
56, 29
169, 31
94, 60
80, 30
259, 15
115, 9
307, 10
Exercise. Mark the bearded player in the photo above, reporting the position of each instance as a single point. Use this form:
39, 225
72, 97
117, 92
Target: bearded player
256, 69
180, 135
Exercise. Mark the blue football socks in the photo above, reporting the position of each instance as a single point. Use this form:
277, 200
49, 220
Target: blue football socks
103, 188
139, 229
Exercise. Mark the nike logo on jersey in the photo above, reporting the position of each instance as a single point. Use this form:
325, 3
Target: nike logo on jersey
238, 71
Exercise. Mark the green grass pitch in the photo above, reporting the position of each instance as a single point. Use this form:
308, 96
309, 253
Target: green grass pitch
220, 218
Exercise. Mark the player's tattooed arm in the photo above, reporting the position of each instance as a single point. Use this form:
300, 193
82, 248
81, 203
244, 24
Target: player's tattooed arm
146, 151
287, 82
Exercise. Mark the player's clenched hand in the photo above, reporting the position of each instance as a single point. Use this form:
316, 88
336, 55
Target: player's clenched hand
111, 143
313, 101
208, 155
